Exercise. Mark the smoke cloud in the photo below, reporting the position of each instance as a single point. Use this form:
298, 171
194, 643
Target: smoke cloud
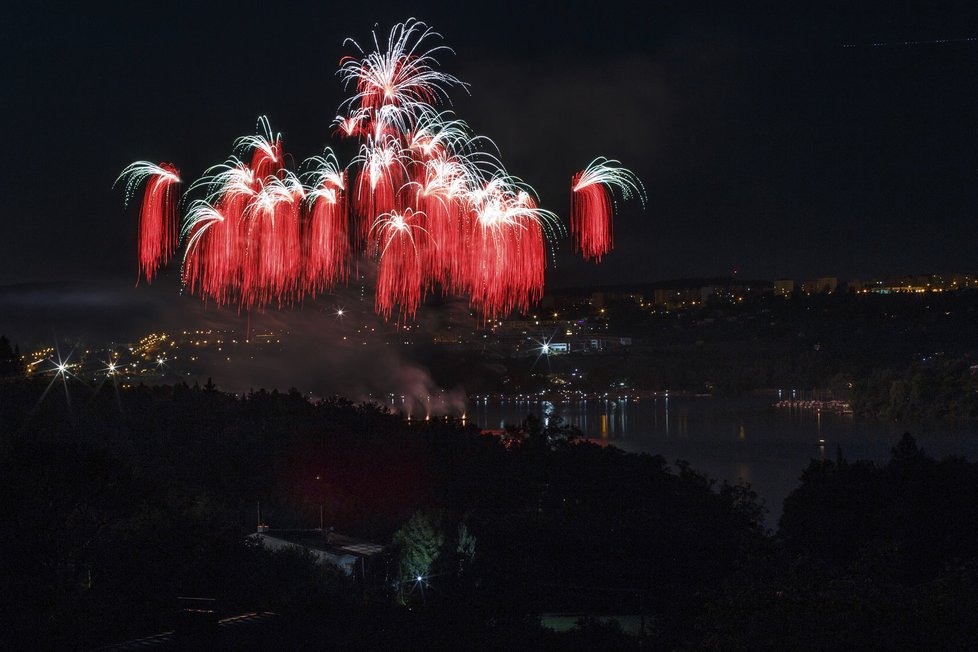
310, 347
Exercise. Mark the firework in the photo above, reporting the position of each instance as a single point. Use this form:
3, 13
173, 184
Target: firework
326, 236
158, 213
382, 173
592, 204
424, 196
399, 274
440, 182
506, 229
211, 245
265, 148
244, 242
272, 265
402, 75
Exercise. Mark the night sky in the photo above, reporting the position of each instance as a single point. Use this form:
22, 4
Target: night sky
766, 145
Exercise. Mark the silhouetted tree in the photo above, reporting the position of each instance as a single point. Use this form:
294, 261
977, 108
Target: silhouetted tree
10, 366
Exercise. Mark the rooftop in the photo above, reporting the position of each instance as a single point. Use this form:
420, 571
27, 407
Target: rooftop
325, 541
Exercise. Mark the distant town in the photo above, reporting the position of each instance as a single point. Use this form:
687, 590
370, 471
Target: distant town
628, 339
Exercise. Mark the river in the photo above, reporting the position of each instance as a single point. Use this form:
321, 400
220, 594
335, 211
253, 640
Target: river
743, 439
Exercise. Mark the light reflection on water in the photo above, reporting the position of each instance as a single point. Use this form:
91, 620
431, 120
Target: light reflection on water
729, 439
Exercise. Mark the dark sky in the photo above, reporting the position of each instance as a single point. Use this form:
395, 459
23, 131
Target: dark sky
765, 145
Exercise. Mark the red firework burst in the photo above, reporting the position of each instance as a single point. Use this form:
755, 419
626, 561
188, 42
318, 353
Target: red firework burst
422, 197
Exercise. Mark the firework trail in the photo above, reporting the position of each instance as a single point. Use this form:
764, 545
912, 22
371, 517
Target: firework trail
424, 196
158, 213
592, 204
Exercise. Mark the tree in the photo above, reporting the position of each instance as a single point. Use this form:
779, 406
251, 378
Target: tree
420, 540
9, 359
466, 546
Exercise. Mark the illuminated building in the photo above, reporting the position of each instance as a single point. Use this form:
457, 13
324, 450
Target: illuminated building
824, 285
784, 287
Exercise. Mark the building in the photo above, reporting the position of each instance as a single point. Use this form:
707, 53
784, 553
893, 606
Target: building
344, 553
784, 287
672, 299
582, 344
824, 285
915, 284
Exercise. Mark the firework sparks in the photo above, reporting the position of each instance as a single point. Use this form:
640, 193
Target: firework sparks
402, 74
158, 213
592, 204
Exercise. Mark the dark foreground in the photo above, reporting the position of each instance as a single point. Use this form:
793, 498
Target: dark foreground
117, 502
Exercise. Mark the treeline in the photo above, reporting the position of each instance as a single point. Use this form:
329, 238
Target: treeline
117, 501
939, 390
867, 557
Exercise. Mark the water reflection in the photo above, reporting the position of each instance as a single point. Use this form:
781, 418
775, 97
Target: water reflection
667, 413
